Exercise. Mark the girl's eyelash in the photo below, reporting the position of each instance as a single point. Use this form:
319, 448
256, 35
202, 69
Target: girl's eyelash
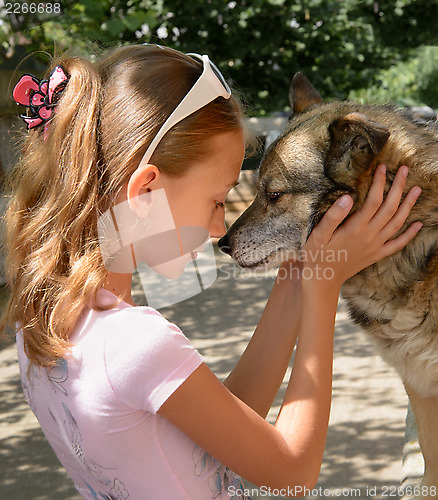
220, 204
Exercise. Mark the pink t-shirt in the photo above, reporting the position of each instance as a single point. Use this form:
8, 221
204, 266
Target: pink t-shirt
98, 409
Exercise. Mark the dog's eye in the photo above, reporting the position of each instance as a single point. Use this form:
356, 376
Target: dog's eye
273, 196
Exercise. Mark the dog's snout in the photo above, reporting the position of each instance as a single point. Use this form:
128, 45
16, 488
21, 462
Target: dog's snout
224, 244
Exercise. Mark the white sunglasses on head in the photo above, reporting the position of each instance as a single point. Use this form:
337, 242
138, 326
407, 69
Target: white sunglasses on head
210, 84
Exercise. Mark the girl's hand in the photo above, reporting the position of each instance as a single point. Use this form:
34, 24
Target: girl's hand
366, 237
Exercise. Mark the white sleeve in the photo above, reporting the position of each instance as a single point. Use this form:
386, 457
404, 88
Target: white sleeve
149, 360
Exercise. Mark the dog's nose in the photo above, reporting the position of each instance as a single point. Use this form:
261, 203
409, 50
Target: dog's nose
224, 245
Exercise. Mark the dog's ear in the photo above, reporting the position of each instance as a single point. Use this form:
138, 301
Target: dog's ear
355, 141
302, 95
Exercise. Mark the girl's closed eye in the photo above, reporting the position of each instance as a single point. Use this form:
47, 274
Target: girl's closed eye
219, 204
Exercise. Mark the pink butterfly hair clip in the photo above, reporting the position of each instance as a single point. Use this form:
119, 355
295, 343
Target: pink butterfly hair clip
40, 97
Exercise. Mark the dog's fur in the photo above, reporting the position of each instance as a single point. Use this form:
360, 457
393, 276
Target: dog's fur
330, 149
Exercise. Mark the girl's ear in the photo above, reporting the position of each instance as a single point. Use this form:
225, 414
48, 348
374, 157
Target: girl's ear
143, 180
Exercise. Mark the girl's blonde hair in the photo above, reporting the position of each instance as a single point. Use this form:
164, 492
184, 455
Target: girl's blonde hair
108, 114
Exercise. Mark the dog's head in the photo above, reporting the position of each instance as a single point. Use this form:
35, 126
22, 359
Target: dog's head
328, 150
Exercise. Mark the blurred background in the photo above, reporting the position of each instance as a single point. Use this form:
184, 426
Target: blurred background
367, 50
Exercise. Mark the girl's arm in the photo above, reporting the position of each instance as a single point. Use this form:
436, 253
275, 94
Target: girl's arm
260, 371
289, 454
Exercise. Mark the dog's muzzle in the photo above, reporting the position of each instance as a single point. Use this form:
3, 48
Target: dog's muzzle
224, 244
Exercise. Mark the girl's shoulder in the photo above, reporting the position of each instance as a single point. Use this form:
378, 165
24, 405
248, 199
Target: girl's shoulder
105, 297
123, 311
127, 320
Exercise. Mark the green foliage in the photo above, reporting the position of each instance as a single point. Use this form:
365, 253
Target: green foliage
409, 83
341, 45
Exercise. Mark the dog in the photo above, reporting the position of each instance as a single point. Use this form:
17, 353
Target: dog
331, 149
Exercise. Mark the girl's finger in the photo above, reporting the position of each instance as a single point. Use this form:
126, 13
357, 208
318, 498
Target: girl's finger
402, 213
401, 241
374, 197
392, 200
323, 232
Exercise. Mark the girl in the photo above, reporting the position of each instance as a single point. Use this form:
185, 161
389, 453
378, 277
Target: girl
126, 402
